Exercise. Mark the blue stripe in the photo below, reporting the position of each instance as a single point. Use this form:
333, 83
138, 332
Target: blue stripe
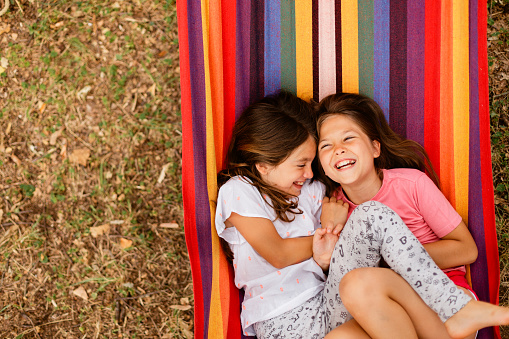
272, 57
381, 60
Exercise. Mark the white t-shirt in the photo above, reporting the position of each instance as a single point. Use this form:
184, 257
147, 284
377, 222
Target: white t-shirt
269, 292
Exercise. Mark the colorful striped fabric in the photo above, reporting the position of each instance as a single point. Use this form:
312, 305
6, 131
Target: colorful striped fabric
423, 61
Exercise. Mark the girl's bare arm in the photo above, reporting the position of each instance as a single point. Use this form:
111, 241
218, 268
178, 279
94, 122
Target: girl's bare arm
455, 249
261, 234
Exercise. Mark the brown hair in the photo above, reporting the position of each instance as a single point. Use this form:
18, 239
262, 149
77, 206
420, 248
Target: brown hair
395, 151
268, 132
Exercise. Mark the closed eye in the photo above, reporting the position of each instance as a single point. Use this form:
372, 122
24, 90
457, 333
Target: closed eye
324, 146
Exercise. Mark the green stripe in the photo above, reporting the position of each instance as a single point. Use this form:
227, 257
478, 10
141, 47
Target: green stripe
366, 33
288, 53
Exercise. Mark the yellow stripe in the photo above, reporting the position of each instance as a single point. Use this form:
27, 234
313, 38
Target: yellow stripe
461, 104
350, 45
215, 317
304, 48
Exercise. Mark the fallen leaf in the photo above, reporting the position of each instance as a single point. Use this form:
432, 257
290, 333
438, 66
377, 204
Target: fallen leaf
125, 243
152, 90
80, 292
54, 136
5, 29
162, 54
4, 62
163, 173
16, 159
83, 92
58, 24
99, 230
181, 307
80, 156
169, 225
42, 107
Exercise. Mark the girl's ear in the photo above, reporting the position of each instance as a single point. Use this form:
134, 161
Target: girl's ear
262, 168
376, 149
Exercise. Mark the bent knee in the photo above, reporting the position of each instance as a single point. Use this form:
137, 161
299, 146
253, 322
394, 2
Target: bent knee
357, 285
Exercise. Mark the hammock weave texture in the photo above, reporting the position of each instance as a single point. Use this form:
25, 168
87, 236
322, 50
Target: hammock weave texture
423, 61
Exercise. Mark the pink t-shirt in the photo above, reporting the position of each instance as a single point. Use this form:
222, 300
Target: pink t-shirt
418, 201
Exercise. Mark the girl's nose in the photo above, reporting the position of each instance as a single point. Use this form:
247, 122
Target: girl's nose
339, 150
308, 173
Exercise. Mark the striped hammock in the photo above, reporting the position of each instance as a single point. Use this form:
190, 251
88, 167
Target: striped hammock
423, 61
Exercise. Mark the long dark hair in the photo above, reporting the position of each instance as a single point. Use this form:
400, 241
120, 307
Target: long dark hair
395, 151
267, 132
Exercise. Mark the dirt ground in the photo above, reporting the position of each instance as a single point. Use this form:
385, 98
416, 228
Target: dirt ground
91, 230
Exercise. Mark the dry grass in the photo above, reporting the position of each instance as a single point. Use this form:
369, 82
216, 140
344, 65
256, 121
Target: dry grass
498, 48
91, 236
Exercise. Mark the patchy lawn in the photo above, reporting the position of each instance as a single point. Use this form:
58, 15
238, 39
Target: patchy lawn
91, 229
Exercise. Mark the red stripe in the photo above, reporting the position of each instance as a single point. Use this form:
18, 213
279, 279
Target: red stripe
432, 83
234, 328
188, 167
486, 169
228, 9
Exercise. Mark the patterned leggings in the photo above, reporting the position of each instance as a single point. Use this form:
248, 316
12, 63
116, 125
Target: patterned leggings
372, 231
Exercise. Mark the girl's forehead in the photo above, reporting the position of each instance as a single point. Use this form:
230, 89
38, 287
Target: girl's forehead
337, 121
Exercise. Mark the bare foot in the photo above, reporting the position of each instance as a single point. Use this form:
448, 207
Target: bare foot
474, 316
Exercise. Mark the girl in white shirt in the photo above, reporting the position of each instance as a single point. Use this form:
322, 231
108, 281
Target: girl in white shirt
268, 212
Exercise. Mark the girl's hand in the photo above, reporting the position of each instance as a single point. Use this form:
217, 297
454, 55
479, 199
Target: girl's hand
323, 246
334, 214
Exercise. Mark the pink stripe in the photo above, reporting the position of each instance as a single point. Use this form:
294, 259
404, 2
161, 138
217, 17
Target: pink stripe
327, 48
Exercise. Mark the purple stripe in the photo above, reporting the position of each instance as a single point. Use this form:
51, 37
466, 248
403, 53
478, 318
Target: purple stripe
381, 58
339, 48
415, 71
198, 100
479, 269
242, 56
256, 51
398, 67
316, 73
272, 55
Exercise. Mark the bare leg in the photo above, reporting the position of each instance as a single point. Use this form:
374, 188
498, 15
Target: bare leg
467, 292
389, 308
349, 330
474, 316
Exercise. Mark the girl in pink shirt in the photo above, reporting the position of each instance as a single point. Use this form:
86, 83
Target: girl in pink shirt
301, 281
363, 159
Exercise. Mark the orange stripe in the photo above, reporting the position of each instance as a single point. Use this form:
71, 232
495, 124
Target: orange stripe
461, 105
213, 54
304, 48
350, 45
446, 105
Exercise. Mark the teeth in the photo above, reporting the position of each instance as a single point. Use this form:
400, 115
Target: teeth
344, 163
299, 182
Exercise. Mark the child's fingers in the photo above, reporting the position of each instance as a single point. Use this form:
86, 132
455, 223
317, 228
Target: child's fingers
320, 232
325, 200
338, 229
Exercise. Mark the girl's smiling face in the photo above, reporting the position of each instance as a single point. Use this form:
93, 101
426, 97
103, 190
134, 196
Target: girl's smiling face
347, 154
290, 175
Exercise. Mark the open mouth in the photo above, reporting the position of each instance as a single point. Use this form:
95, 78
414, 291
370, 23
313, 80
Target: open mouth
344, 164
299, 183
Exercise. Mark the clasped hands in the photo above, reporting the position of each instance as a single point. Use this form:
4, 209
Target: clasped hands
333, 219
